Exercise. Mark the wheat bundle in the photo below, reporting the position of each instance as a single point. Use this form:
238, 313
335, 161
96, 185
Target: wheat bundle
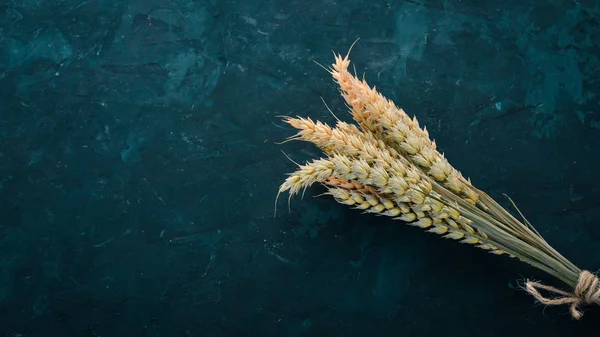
389, 166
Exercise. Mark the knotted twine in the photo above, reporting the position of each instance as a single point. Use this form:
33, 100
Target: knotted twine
586, 292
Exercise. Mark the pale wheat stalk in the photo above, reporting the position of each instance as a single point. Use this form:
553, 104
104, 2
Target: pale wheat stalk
389, 166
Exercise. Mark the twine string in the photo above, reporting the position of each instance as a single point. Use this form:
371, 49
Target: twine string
586, 292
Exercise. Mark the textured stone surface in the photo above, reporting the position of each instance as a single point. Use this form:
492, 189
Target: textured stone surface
139, 165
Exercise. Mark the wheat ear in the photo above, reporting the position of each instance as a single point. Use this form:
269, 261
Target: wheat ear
383, 118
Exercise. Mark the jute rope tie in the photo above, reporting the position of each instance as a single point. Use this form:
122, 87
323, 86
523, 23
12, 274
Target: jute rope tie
586, 292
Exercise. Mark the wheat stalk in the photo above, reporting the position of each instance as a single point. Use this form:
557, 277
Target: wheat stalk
389, 166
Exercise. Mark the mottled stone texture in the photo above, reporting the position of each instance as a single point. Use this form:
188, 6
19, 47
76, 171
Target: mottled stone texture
139, 165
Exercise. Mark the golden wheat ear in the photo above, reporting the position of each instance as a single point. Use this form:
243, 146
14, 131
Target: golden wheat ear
381, 117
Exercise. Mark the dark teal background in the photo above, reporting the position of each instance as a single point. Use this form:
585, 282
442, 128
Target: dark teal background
139, 165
